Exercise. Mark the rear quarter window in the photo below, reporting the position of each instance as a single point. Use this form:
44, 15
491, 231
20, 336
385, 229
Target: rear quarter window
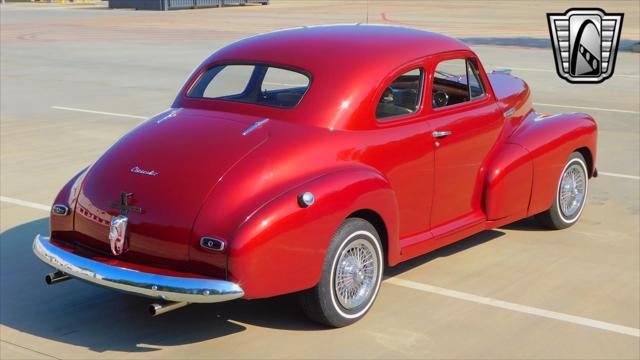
402, 96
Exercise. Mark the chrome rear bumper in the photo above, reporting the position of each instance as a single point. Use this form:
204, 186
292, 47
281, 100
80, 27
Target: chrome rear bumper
169, 288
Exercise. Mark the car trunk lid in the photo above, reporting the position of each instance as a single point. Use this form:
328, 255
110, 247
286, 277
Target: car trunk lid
166, 168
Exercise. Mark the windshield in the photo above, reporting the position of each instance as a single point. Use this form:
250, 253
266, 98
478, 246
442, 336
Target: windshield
251, 83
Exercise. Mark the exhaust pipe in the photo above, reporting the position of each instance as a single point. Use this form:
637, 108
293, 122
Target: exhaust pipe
56, 277
159, 309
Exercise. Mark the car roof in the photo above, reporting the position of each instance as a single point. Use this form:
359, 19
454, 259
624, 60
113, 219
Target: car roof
347, 63
312, 47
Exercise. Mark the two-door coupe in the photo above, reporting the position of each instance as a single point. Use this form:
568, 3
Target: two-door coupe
307, 160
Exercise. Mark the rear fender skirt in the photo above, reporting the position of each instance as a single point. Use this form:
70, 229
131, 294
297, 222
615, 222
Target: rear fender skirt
550, 140
281, 247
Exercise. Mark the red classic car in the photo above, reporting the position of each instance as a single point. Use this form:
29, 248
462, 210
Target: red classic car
305, 161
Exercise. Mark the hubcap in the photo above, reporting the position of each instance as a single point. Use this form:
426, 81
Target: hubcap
356, 274
572, 190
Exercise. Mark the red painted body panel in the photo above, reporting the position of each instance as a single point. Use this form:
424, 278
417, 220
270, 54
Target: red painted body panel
507, 185
213, 181
274, 238
550, 140
475, 127
188, 166
512, 94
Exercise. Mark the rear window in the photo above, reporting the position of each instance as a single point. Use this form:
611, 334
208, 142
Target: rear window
252, 83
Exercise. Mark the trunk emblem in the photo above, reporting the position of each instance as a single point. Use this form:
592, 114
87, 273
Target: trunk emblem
118, 228
124, 206
117, 233
137, 170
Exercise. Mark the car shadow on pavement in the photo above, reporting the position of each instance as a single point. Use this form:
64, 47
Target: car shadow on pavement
464, 244
527, 224
81, 314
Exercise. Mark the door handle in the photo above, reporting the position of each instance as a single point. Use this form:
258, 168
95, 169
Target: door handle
441, 134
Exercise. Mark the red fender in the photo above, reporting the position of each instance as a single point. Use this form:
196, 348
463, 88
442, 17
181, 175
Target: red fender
550, 140
289, 242
67, 196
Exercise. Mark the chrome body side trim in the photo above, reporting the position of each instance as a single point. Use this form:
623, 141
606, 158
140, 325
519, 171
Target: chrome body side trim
168, 288
255, 125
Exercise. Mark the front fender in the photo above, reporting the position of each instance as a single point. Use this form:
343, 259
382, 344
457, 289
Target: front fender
281, 247
550, 140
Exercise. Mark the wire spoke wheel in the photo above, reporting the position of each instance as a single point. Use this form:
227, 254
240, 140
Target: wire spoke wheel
572, 190
351, 276
356, 274
571, 195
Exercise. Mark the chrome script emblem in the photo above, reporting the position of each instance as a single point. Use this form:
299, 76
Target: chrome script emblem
117, 233
137, 170
585, 44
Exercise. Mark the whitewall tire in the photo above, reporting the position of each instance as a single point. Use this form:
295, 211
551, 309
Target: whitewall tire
352, 273
571, 195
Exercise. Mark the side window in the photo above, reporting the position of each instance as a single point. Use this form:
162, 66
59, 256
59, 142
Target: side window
456, 81
231, 80
402, 96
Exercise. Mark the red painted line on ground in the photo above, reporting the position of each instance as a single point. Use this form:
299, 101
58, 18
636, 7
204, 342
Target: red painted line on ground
384, 17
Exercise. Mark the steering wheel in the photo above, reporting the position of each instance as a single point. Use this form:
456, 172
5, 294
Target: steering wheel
439, 99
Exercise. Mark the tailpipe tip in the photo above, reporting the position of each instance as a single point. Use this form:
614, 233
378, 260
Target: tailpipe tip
56, 277
159, 309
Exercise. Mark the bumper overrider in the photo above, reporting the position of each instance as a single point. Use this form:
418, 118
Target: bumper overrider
168, 288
